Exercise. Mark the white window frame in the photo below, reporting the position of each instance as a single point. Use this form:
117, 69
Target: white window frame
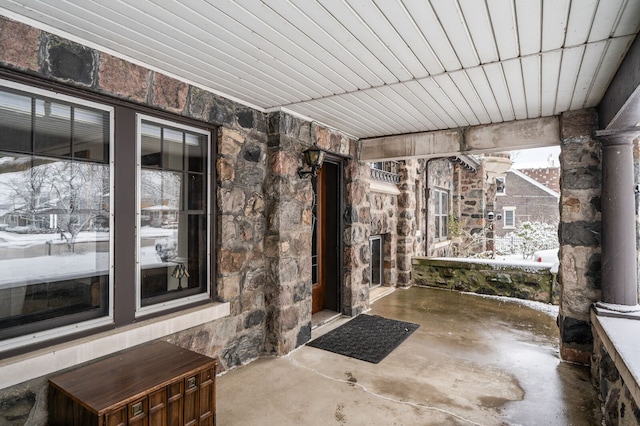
170, 304
512, 210
441, 231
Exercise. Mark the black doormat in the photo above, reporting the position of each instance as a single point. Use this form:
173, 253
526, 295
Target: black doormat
366, 337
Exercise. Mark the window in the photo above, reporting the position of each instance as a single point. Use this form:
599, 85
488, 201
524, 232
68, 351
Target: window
173, 238
509, 217
377, 261
441, 213
500, 186
60, 159
55, 210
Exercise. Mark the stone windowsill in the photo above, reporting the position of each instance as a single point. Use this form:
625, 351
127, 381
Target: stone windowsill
46, 361
620, 339
384, 187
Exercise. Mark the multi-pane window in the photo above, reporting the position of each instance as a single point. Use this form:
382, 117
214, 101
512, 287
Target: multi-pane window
55, 228
173, 211
441, 213
67, 229
509, 217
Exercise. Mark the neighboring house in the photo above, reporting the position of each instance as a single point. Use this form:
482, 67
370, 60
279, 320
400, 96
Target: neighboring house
521, 198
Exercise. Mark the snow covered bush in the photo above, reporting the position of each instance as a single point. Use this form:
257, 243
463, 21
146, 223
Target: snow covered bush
533, 236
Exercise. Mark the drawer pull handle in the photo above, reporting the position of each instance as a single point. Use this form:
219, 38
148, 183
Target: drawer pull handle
136, 409
191, 382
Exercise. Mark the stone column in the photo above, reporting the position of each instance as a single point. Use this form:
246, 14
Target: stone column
619, 269
406, 221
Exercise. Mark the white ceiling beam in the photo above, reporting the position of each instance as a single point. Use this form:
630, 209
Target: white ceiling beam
509, 136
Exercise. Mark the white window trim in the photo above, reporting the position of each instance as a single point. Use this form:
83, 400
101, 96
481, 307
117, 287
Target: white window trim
438, 193
159, 307
47, 361
504, 216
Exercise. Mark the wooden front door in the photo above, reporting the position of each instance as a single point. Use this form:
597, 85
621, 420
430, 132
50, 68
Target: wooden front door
326, 248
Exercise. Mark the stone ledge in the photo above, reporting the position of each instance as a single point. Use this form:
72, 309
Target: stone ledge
46, 361
620, 339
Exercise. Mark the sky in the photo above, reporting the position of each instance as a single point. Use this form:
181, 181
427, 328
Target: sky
536, 158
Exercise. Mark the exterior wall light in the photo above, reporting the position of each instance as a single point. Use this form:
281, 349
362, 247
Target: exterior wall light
313, 158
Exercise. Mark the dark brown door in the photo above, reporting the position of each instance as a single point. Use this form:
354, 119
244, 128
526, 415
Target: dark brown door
326, 249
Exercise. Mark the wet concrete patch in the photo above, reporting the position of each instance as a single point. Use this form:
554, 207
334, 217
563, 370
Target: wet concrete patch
473, 361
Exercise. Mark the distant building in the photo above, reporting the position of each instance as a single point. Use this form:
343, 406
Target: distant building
521, 196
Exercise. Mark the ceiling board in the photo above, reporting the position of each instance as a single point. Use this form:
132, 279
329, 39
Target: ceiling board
366, 67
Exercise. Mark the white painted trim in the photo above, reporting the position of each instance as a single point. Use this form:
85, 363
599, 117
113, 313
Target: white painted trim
384, 187
55, 358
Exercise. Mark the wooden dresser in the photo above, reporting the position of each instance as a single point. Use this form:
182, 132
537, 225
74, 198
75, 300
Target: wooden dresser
156, 384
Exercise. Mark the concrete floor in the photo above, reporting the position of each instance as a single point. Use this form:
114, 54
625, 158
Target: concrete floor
473, 361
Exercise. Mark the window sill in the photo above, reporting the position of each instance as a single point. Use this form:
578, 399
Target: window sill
384, 187
46, 361
620, 339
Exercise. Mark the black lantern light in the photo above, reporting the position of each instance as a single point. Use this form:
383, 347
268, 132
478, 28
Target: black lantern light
313, 158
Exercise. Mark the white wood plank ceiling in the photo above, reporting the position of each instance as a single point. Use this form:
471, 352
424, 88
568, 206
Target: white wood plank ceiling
366, 67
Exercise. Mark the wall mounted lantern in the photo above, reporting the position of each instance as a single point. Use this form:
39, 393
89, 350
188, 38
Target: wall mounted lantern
313, 158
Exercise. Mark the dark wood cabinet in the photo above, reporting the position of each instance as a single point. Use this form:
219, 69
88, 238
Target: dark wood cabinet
156, 384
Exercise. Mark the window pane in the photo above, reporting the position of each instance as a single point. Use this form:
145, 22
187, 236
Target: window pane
173, 215
151, 145
54, 213
52, 129
437, 226
90, 134
437, 202
172, 146
15, 122
445, 203
195, 151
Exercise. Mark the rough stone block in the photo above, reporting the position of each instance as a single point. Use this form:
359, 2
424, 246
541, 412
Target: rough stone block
70, 62
169, 93
19, 44
122, 78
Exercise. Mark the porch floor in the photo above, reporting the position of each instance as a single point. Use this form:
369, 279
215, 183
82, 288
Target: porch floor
473, 361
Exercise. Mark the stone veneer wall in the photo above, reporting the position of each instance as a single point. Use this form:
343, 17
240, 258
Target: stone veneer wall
263, 208
579, 232
472, 197
618, 404
520, 281
355, 295
384, 221
408, 243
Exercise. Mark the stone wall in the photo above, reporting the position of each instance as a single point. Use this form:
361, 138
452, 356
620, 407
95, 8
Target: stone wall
355, 297
618, 405
384, 221
482, 277
579, 233
473, 197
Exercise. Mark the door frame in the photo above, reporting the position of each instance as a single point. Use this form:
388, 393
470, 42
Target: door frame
338, 162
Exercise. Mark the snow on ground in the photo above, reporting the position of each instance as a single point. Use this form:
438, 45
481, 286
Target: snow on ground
551, 310
17, 272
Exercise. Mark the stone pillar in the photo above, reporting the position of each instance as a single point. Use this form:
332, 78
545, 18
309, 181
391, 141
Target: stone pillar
579, 233
406, 221
287, 242
619, 269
